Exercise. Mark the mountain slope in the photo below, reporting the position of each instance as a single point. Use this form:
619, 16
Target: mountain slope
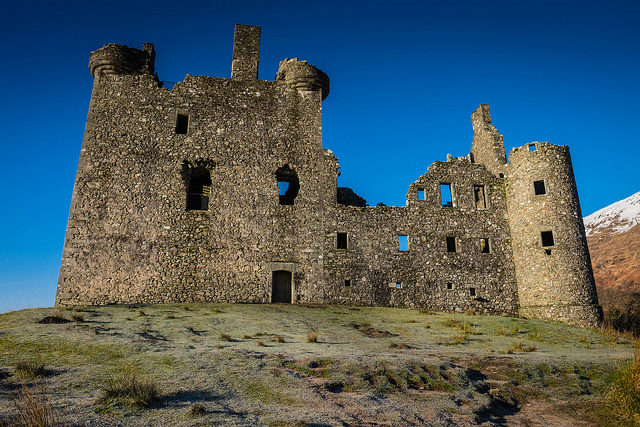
613, 234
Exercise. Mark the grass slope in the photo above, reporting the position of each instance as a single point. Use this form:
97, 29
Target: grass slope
208, 364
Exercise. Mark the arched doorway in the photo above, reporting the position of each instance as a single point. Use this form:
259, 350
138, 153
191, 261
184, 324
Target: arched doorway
281, 286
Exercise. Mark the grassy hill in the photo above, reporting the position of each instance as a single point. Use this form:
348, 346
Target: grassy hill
208, 364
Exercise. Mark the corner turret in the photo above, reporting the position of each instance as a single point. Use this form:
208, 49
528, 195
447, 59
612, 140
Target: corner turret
488, 146
303, 76
115, 59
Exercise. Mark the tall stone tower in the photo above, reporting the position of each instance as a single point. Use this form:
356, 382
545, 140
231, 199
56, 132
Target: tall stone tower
553, 267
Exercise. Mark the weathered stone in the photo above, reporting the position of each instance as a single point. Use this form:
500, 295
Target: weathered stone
177, 198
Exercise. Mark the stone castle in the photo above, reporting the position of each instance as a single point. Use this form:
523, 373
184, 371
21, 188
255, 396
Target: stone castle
219, 190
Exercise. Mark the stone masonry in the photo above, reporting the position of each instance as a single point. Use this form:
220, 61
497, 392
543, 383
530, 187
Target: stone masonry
219, 190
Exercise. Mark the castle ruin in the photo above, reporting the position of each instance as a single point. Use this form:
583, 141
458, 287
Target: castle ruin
219, 190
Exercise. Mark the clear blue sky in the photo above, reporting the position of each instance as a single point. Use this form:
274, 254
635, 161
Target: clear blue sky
405, 77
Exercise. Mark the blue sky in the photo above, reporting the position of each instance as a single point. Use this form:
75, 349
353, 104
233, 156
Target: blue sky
405, 77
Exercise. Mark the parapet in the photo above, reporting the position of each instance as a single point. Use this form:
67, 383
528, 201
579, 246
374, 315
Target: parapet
114, 59
303, 76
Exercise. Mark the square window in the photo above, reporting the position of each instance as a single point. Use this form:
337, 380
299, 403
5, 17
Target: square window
398, 285
422, 194
547, 238
451, 244
449, 286
341, 241
347, 283
538, 187
182, 123
403, 243
532, 147
446, 195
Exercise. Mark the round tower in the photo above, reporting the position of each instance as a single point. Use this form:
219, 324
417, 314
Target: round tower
115, 59
303, 76
552, 263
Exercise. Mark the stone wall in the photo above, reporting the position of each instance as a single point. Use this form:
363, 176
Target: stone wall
151, 154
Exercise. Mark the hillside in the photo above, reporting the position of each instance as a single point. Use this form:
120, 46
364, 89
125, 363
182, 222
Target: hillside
613, 235
219, 364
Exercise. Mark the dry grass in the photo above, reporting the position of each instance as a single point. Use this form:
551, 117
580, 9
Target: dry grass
521, 348
312, 337
129, 390
278, 339
30, 369
225, 337
624, 396
34, 407
197, 410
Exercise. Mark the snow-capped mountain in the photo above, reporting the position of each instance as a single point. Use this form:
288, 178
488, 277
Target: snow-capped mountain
615, 218
613, 235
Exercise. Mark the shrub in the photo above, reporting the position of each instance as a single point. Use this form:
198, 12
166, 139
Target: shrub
225, 337
521, 348
197, 410
34, 407
312, 337
624, 396
30, 369
278, 338
625, 318
260, 343
77, 317
129, 390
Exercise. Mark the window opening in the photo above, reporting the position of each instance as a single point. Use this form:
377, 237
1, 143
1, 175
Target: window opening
446, 195
479, 196
449, 286
288, 185
484, 246
422, 194
347, 282
547, 238
398, 285
341, 241
451, 244
538, 187
199, 189
532, 147
501, 175
547, 251
182, 123
403, 243
472, 292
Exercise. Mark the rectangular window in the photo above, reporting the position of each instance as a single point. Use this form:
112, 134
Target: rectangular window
449, 286
422, 194
403, 243
347, 282
479, 196
182, 124
446, 196
451, 244
538, 187
472, 292
547, 238
484, 246
341, 241
398, 285
532, 147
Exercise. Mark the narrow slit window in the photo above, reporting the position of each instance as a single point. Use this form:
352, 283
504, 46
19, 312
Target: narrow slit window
472, 292
347, 283
485, 248
341, 241
403, 243
451, 244
422, 194
547, 238
446, 196
479, 196
182, 124
539, 188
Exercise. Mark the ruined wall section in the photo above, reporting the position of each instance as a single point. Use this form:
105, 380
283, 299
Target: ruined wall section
555, 278
429, 276
487, 147
130, 238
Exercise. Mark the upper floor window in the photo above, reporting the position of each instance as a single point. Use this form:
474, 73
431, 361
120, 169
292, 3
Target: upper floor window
451, 244
479, 196
403, 243
341, 241
539, 188
446, 195
199, 189
288, 185
182, 123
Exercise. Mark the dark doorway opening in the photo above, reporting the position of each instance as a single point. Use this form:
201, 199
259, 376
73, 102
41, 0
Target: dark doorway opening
199, 189
281, 286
